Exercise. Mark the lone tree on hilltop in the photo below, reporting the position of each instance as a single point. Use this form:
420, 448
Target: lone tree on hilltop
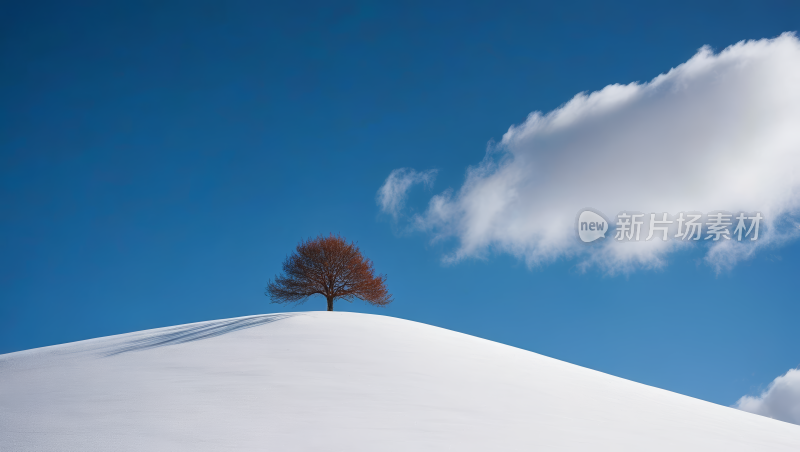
330, 267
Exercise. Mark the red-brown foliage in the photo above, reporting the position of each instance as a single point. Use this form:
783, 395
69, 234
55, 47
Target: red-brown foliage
330, 267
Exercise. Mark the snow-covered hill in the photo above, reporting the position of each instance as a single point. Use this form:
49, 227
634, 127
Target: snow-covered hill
333, 381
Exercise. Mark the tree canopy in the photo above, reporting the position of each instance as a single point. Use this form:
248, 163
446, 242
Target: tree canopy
331, 267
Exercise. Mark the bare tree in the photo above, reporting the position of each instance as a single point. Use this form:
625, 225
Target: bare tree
330, 267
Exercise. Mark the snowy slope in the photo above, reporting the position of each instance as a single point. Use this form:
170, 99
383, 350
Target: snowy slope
331, 381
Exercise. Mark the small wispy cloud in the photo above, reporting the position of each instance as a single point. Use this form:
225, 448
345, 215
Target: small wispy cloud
392, 195
716, 133
781, 399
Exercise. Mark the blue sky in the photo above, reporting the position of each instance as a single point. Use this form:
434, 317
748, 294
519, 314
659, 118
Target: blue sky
159, 161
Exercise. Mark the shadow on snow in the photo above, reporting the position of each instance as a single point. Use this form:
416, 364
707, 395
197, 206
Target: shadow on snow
189, 333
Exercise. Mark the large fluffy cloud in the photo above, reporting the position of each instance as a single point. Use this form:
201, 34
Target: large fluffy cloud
780, 401
719, 132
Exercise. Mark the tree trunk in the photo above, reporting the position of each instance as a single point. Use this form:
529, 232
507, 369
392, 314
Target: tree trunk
330, 303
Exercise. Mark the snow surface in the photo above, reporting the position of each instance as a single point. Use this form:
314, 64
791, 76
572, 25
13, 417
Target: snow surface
335, 381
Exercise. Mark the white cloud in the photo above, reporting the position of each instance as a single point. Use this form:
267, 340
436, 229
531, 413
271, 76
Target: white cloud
392, 195
719, 132
780, 401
